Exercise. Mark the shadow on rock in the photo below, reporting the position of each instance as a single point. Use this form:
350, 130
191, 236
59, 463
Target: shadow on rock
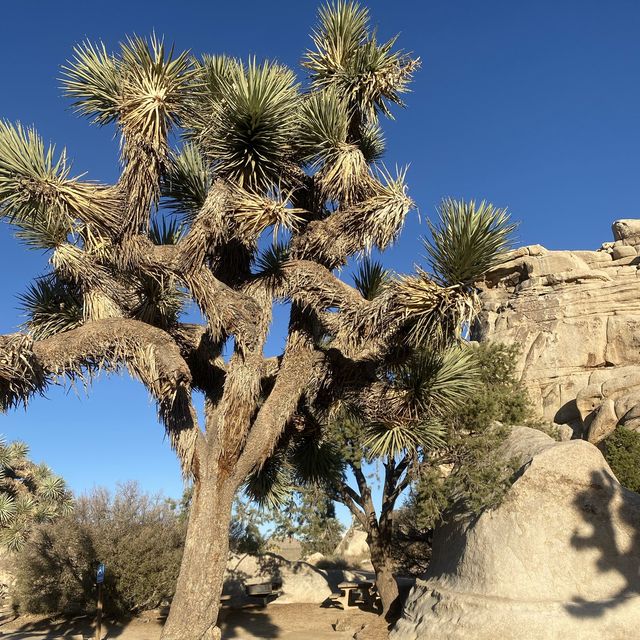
612, 513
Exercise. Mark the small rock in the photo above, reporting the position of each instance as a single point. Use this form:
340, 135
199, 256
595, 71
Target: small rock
565, 432
314, 558
342, 624
624, 251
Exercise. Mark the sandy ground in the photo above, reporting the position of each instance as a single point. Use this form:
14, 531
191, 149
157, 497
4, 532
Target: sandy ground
287, 621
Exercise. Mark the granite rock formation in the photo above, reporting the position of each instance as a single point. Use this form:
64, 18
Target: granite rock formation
576, 317
559, 558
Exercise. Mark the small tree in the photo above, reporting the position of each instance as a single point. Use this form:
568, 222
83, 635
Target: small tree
244, 531
622, 452
477, 475
29, 494
309, 515
262, 155
417, 392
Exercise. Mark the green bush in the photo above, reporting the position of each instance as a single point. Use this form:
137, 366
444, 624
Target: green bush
470, 475
310, 517
139, 538
244, 530
55, 569
622, 452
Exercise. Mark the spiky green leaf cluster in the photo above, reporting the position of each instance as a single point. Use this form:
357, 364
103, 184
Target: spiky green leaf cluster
270, 485
93, 80
38, 194
250, 134
396, 439
348, 58
371, 279
141, 87
186, 182
467, 240
30, 180
51, 306
269, 262
315, 462
433, 383
166, 231
303, 461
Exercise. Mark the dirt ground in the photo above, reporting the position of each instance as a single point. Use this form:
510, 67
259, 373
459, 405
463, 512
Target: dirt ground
286, 621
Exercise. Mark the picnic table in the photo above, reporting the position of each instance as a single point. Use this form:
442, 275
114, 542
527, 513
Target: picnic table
365, 592
262, 592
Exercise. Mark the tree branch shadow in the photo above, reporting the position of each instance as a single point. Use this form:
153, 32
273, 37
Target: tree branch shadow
613, 513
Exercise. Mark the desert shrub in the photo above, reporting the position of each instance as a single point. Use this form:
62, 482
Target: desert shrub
473, 475
622, 452
333, 563
55, 569
501, 397
140, 539
309, 515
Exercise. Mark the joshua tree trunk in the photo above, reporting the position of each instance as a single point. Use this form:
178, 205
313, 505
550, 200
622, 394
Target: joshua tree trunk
194, 611
379, 542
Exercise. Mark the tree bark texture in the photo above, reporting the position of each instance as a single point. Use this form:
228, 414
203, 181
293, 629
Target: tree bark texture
195, 607
383, 566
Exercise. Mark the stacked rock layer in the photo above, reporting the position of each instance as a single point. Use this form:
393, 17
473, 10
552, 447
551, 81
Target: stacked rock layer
576, 318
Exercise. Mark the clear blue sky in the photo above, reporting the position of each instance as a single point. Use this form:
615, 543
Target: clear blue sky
532, 105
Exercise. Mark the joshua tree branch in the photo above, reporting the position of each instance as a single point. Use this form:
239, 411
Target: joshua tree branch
351, 500
149, 353
300, 367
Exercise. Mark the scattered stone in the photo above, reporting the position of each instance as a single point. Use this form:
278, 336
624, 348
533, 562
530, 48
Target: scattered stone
624, 251
315, 558
565, 432
343, 624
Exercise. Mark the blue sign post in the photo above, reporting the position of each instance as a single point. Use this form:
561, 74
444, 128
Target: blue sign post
99, 580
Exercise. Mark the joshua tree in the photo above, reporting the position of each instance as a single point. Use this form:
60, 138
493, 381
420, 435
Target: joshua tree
29, 494
261, 154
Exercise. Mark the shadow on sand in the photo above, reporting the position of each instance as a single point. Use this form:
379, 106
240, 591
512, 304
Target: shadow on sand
78, 627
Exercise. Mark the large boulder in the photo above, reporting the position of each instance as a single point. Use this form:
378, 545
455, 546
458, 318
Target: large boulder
559, 558
354, 549
576, 317
301, 582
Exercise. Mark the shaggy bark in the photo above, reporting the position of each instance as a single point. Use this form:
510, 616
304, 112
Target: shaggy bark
195, 607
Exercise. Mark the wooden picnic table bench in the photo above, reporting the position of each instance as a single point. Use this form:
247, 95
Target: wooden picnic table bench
365, 588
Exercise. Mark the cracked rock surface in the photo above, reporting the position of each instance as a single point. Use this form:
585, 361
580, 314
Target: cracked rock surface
576, 317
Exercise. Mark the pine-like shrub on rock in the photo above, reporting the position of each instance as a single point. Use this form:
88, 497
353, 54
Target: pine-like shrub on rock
622, 452
472, 475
